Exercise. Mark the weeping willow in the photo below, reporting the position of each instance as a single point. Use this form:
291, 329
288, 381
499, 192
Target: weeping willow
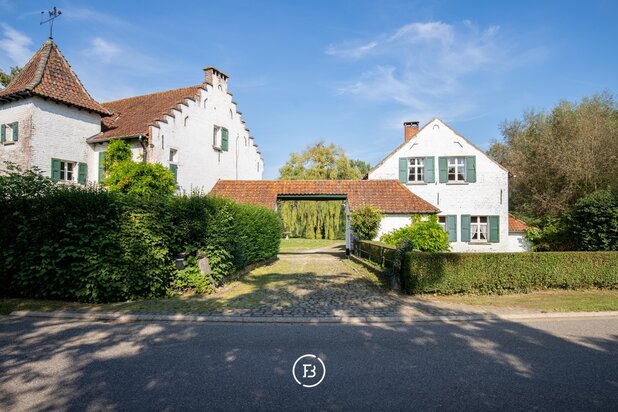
311, 219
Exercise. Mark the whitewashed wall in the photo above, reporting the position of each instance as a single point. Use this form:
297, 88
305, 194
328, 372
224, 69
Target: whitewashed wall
199, 164
391, 222
488, 196
49, 130
518, 242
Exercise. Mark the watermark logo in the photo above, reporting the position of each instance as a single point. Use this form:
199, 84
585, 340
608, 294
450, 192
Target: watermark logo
309, 371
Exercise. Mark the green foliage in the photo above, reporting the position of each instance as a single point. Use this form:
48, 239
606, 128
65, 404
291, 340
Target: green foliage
558, 157
16, 183
486, 273
6, 78
190, 278
141, 179
593, 222
118, 151
92, 245
319, 162
425, 235
365, 222
313, 219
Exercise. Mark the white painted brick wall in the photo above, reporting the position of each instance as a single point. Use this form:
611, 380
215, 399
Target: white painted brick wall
19, 111
488, 196
199, 164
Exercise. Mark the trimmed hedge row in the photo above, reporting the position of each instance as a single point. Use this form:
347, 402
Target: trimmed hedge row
91, 245
487, 273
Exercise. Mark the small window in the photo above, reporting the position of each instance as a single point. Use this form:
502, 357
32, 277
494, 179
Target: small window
479, 229
205, 101
416, 169
10, 133
67, 171
216, 137
162, 141
442, 222
186, 121
231, 114
220, 87
456, 169
173, 155
246, 142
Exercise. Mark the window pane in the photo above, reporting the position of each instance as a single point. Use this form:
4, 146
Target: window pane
483, 219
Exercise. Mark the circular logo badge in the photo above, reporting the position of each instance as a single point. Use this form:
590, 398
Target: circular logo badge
309, 371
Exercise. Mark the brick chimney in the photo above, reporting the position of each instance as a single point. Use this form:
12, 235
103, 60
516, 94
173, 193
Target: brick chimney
210, 73
410, 129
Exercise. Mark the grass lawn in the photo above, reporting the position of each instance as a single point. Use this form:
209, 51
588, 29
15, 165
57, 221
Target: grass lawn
301, 245
594, 300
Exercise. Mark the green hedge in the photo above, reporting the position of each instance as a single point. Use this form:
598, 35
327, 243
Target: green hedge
90, 245
486, 273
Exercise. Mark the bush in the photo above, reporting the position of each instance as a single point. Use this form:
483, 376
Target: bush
425, 235
365, 222
593, 222
485, 273
141, 179
91, 245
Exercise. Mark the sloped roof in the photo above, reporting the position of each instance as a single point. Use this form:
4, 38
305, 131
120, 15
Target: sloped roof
133, 115
388, 156
50, 76
516, 225
389, 196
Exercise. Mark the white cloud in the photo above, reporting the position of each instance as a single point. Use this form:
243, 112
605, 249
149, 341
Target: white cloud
102, 49
15, 44
428, 68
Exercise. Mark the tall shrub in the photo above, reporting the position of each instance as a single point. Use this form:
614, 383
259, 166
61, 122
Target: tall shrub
365, 222
425, 235
593, 221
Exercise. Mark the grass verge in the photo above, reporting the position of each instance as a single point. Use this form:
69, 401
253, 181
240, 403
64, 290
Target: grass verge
591, 300
303, 245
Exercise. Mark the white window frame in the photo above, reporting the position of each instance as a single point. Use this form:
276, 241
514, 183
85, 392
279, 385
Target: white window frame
455, 163
442, 222
8, 134
64, 171
216, 137
173, 158
479, 227
416, 169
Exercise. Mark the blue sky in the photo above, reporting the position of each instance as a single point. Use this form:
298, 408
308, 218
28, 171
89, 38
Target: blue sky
348, 72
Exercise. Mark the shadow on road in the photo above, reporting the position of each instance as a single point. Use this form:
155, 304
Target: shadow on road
481, 365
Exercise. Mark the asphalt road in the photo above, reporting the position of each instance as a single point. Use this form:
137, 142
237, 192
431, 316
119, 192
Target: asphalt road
565, 364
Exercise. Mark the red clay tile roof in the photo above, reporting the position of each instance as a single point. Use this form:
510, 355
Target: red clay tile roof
133, 115
389, 196
50, 76
516, 225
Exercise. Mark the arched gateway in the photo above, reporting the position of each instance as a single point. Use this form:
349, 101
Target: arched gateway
392, 198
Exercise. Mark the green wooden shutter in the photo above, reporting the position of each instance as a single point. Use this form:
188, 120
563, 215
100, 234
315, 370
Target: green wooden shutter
465, 228
174, 169
403, 169
451, 227
443, 166
15, 126
82, 173
224, 139
471, 169
55, 169
430, 172
101, 166
2, 133
494, 229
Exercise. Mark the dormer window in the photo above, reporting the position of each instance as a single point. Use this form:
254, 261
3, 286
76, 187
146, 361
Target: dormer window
9, 133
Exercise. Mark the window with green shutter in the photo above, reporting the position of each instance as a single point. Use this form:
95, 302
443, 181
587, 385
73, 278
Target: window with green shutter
465, 228
403, 169
494, 229
2, 133
82, 173
224, 139
15, 127
430, 172
174, 169
55, 169
471, 169
451, 227
101, 166
443, 169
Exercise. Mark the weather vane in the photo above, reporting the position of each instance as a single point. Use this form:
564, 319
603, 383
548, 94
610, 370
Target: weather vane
53, 15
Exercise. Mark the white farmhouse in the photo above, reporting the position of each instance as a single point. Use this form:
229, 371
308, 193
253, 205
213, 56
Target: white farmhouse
469, 188
48, 120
